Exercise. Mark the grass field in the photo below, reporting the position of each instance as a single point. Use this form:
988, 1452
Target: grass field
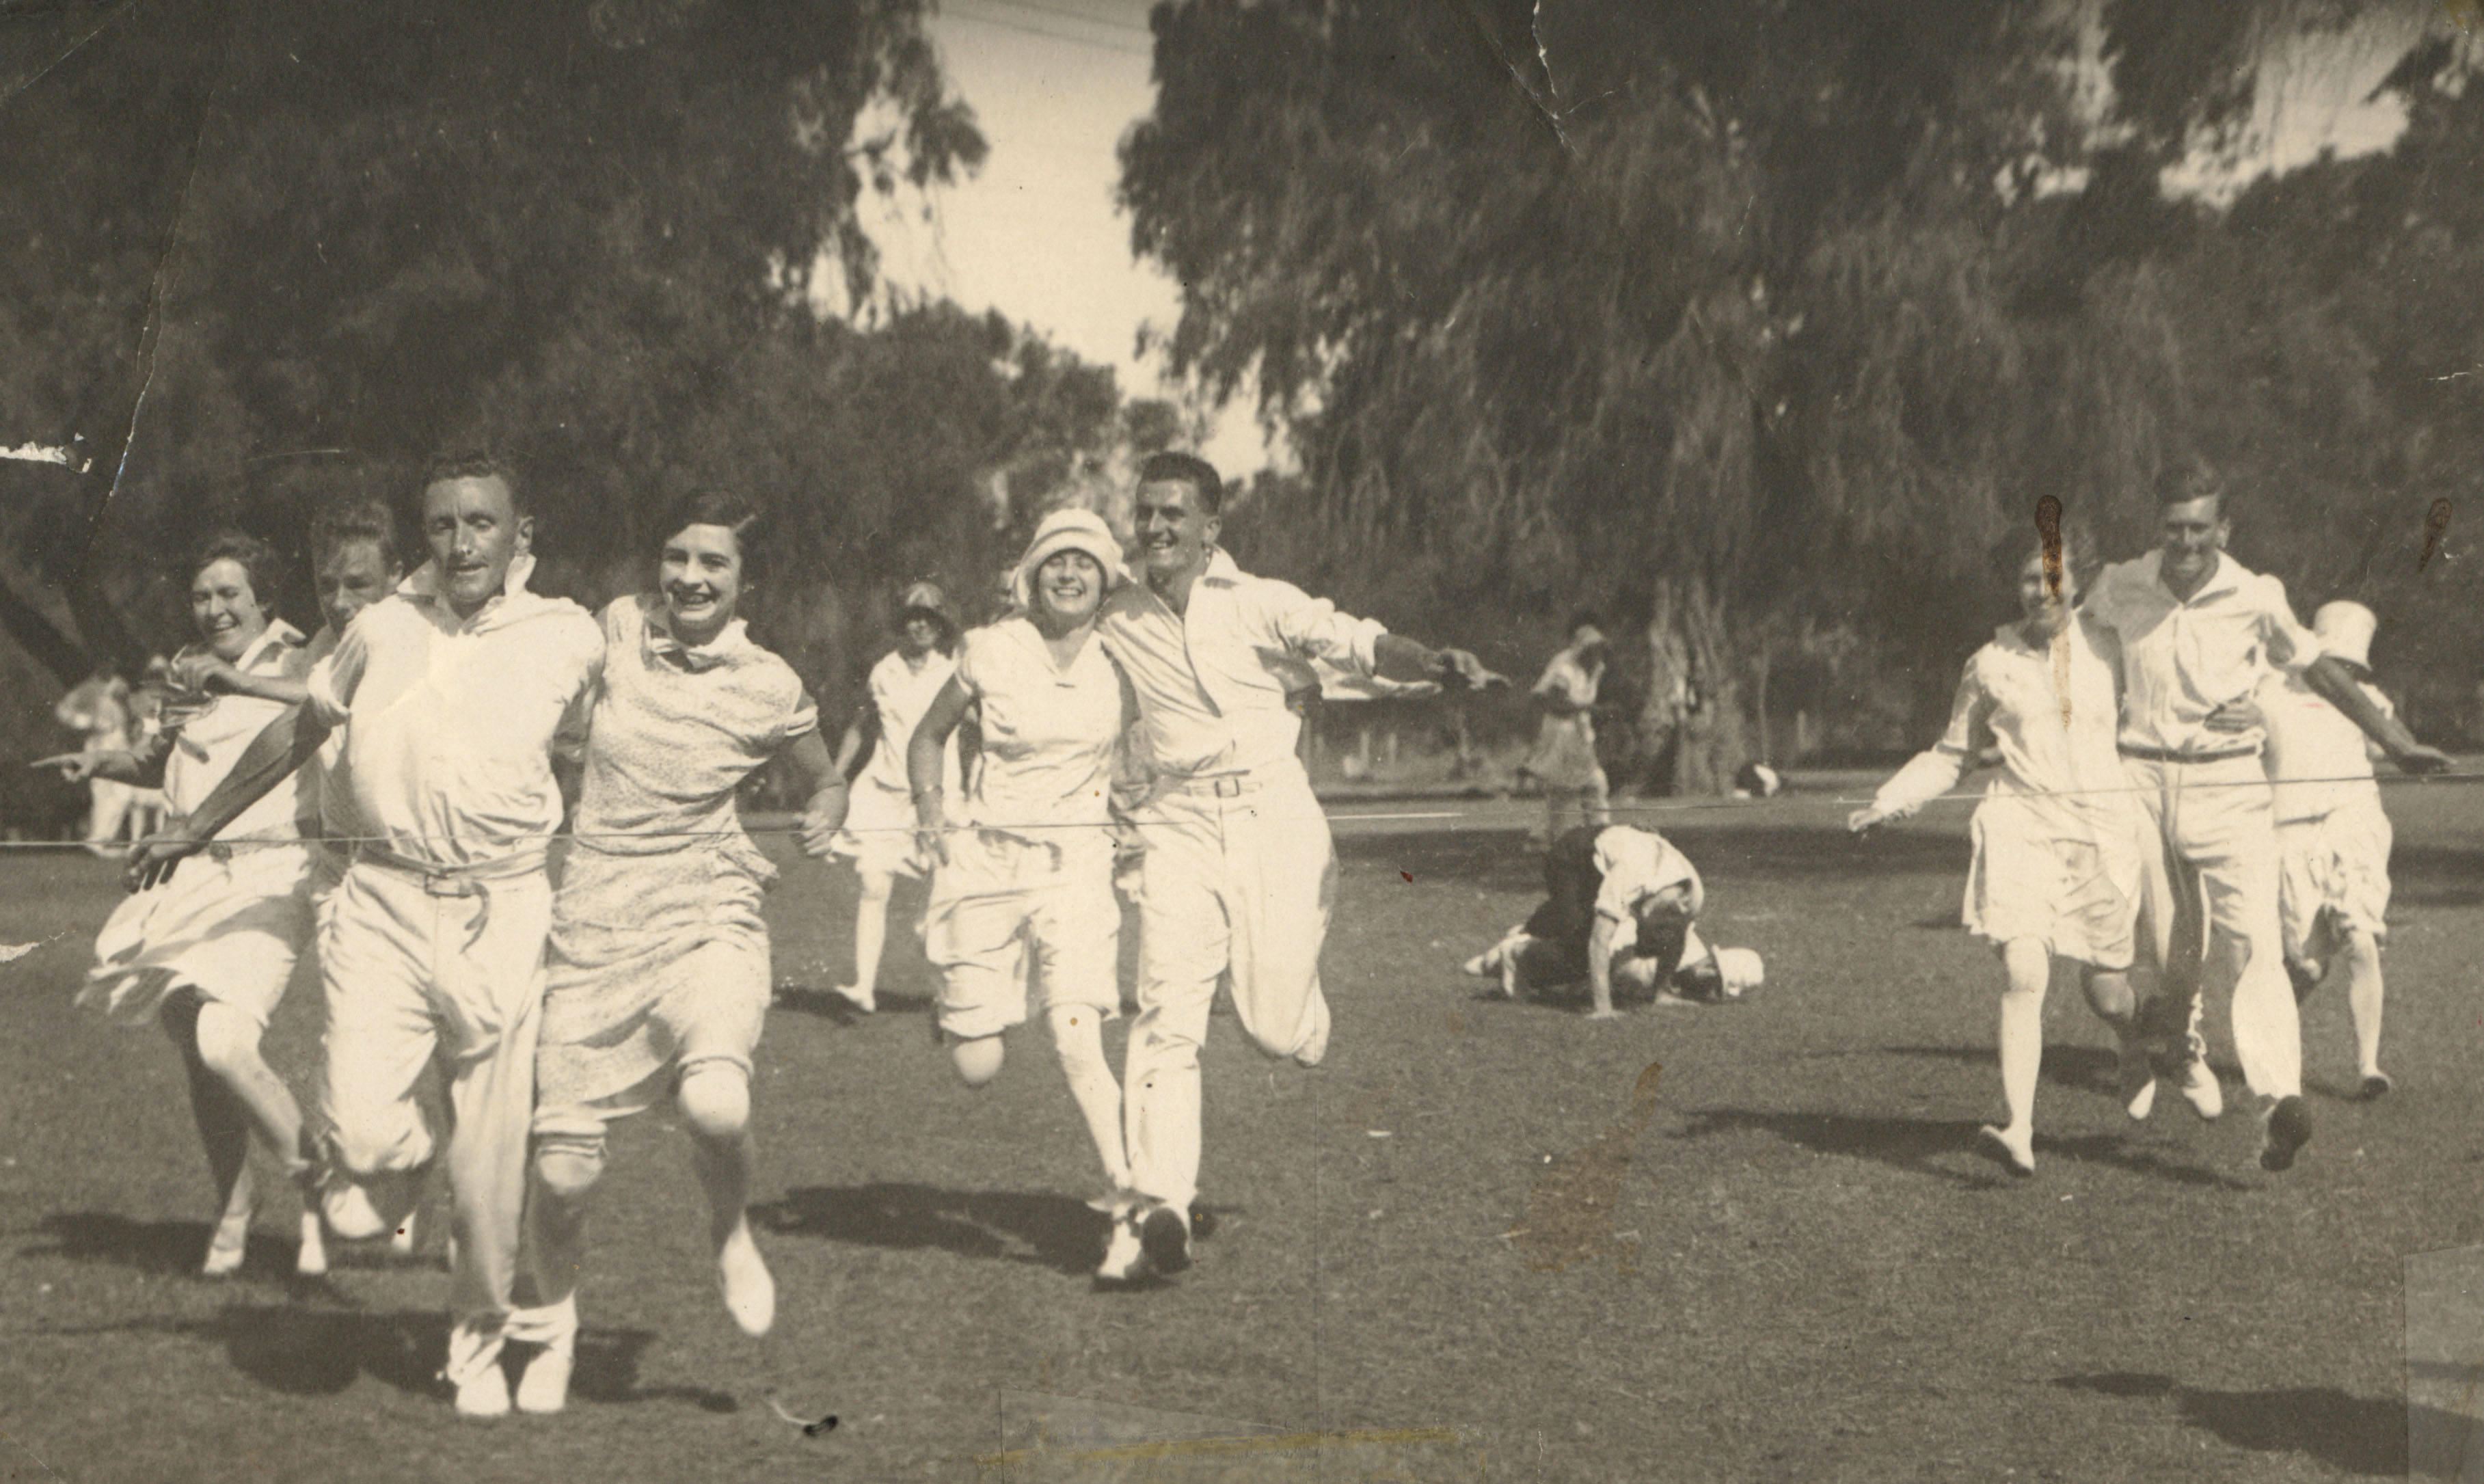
1788, 1262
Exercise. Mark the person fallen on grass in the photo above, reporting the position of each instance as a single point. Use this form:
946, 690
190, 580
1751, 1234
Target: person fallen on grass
2333, 837
658, 977
1619, 903
2057, 837
1022, 890
1238, 870
458, 693
880, 836
209, 958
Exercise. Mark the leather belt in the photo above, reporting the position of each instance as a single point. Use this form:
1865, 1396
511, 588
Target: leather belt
2169, 755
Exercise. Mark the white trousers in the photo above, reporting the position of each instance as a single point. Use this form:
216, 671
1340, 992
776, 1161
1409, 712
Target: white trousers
411, 966
2214, 884
1237, 887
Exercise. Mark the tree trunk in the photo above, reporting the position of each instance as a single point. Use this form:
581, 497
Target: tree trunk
1694, 708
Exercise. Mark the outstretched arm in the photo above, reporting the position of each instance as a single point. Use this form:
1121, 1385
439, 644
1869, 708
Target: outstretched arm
823, 784
923, 764
2330, 680
1400, 659
280, 748
142, 766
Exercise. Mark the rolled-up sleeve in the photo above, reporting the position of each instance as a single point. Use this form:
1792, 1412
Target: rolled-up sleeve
1312, 626
2289, 644
334, 679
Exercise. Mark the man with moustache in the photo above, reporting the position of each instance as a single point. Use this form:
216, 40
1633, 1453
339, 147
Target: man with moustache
1238, 870
455, 694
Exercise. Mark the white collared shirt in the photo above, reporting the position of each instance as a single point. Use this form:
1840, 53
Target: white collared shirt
1210, 681
1048, 729
214, 732
2182, 660
2317, 757
451, 723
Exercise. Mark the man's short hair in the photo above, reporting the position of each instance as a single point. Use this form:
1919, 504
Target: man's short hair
477, 464
257, 558
341, 522
1187, 469
2187, 480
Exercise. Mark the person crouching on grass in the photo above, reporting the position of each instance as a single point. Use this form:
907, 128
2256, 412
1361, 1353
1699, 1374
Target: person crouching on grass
209, 958
2057, 865
1618, 901
1030, 851
658, 974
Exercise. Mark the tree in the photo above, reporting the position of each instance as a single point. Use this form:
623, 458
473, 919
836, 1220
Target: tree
351, 236
1735, 319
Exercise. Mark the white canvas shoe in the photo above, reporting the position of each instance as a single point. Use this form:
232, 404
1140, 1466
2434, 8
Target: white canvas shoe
543, 1386
485, 1394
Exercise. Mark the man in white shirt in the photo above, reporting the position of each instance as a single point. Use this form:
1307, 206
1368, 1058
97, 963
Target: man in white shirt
2195, 632
455, 694
2333, 836
1238, 870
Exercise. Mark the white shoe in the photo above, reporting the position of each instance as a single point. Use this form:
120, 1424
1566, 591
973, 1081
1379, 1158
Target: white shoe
2200, 1086
749, 1290
348, 1209
485, 1394
311, 1259
1122, 1252
2019, 1154
401, 1240
864, 999
2138, 1082
543, 1386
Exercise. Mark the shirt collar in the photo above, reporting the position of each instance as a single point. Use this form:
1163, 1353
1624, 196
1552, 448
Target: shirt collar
2228, 577
425, 582
1221, 568
661, 642
272, 644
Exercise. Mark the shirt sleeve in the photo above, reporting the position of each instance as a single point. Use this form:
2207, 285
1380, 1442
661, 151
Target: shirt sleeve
2290, 645
569, 738
334, 679
1632, 876
1936, 771
802, 718
1312, 626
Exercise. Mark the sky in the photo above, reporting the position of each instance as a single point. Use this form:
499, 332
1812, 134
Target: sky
1036, 233
1055, 83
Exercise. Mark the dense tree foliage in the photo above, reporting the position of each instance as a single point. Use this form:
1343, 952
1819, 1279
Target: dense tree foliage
1765, 320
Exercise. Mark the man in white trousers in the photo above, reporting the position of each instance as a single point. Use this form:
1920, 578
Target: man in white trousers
455, 694
1238, 873
2196, 631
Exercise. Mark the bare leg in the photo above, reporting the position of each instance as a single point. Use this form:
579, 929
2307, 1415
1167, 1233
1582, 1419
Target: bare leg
2364, 1000
1078, 1034
714, 1096
2022, 1046
224, 1129
870, 935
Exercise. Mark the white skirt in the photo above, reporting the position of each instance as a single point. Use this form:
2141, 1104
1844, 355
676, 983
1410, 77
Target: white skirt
230, 928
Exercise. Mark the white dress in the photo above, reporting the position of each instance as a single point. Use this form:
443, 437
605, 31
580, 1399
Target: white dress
2057, 837
879, 833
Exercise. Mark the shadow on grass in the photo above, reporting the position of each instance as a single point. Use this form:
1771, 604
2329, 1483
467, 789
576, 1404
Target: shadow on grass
2354, 1434
1912, 1144
321, 1348
830, 1006
1050, 1230
177, 1246
2086, 1069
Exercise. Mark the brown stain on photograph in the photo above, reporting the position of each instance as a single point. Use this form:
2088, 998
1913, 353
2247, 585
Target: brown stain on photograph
1570, 1212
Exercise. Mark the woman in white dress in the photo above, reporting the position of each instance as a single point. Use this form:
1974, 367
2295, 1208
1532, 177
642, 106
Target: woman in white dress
1563, 760
878, 836
657, 976
2058, 836
208, 955
1025, 859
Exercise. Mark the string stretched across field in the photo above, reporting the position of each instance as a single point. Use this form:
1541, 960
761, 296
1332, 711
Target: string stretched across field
1358, 817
